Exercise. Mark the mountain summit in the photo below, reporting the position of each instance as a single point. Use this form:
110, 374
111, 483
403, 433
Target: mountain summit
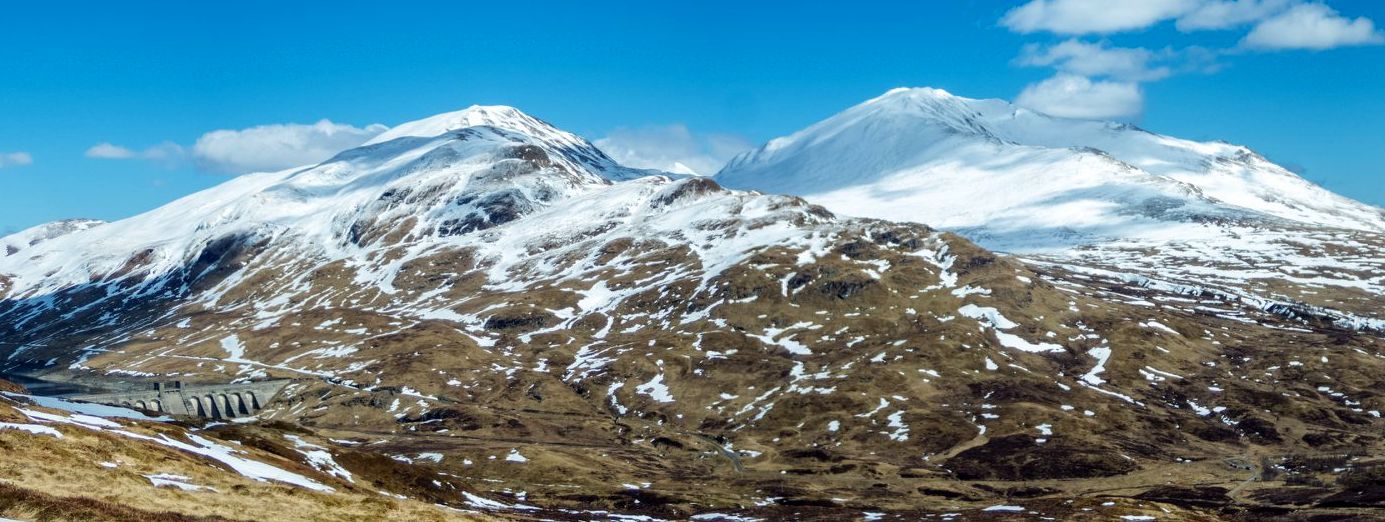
1021, 180
432, 178
482, 311
1099, 194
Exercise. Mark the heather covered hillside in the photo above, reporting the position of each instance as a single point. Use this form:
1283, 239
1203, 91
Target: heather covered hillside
495, 299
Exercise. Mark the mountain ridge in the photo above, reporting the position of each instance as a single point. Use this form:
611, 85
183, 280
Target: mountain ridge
505, 310
324, 202
905, 131
1096, 194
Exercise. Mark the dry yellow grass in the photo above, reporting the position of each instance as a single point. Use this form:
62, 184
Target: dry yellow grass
59, 479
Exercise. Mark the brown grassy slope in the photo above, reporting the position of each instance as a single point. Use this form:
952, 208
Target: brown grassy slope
7, 386
60, 479
28, 504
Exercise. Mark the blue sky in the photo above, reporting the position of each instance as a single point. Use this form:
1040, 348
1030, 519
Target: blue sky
1297, 80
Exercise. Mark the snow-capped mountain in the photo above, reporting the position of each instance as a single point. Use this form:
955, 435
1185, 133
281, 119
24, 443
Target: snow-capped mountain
483, 297
14, 243
1021, 180
1106, 194
426, 180
443, 184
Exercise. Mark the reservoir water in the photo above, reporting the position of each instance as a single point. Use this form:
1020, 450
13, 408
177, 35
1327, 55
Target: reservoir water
49, 388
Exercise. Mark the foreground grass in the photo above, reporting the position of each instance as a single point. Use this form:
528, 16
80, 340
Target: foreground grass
95, 475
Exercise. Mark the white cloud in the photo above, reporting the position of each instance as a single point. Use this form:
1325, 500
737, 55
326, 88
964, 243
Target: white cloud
1283, 24
265, 147
1096, 59
1312, 26
168, 153
105, 150
1097, 81
15, 159
278, 146
1093, 16
671, 148
1072, 96
1223, 14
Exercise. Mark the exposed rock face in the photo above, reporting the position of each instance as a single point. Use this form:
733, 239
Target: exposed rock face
502, 295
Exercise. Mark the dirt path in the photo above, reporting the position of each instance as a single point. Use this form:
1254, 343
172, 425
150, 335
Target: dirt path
1255, 472
730, 455
979, 440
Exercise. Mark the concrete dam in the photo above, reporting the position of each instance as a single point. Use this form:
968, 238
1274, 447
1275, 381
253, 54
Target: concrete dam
212, 401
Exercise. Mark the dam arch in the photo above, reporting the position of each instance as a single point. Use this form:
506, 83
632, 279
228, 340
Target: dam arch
210, 401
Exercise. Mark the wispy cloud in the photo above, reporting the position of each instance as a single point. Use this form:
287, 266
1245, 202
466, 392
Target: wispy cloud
1098, 59
166, 151
1107, 79
671, 148
1312, 26
259, 148
1279, 24
109, 151
1078, 17
1073, 96
15, 159
1226, 14
1092, 16
279, 146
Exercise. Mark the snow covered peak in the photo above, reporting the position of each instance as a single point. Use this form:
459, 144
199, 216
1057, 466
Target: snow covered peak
915, 92
14, 243
421, 182
498, 116
512, 122
892, 131
1006, 174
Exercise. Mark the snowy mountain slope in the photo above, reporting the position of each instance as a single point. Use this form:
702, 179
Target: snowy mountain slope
501, 300
1109, 195
460, 179
13, 243
928, 156
570, 148
380, 208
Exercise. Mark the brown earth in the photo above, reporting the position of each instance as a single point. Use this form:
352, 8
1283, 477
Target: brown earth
791, 385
